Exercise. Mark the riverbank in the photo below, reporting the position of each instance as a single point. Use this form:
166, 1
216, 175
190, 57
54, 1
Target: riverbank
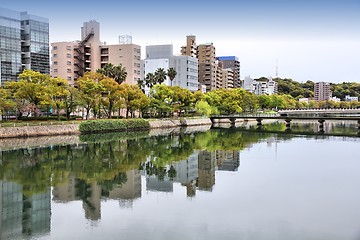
73, 129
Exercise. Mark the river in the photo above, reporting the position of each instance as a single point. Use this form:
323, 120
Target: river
187, 184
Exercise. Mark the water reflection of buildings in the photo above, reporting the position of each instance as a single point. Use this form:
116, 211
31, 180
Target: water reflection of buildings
197, 172
22, 216
91, 193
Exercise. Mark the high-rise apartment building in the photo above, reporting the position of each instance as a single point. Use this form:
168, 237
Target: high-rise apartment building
219, 74
207, 66
322, 91
233, 63
209, 73
24, 44
227, 78
190, 49
70, 60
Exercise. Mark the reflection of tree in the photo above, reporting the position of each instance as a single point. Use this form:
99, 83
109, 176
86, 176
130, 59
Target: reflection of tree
109, 185
106, 161
160, 171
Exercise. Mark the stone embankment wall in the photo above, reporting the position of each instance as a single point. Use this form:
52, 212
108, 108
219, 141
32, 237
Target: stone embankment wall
179, 123
71, 129
34, 131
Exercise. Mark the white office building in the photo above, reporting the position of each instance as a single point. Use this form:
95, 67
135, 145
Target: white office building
161, 56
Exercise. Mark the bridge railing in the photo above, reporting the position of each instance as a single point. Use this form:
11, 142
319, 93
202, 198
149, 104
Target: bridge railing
242, 115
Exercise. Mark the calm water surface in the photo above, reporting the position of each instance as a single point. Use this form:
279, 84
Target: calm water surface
217, 184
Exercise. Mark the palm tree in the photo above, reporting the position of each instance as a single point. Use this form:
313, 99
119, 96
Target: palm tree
150, 80
118, 73
171, 73
160, 75
141, 84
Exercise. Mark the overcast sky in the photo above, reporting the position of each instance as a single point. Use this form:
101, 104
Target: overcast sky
316, 40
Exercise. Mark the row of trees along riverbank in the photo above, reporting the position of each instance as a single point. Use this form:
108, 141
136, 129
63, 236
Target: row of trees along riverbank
103, 96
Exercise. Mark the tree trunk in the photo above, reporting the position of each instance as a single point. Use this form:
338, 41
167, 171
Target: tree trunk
58, 114
87, 113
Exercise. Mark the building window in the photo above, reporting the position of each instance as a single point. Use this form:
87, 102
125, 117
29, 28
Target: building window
68, 55
68, 70
55, 55
68, 47
134, 71
55, 63
55, 48
68, 62
55, 70
69, 78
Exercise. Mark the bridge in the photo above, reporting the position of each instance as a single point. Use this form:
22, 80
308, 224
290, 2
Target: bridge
288, 116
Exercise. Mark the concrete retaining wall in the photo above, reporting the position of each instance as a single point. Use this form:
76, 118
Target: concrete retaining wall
71, 129
33, 131
179, 123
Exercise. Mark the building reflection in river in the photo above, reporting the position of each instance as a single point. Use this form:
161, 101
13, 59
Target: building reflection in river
91, 193
23, 216
197, 172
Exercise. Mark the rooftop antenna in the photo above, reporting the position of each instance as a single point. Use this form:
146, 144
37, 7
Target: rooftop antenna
125, 39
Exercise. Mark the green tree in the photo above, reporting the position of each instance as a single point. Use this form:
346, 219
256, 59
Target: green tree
183, 100
71, 101
150, 80
118, 73
161, 99
160, 75
264, 101
111, 95
202, 107
134, 98
250, 102
171, 73
5, 102
89, 91
58, 92
141, 84
227, 101
32, 88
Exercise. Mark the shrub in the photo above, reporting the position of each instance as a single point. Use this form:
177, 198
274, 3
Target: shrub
110, 125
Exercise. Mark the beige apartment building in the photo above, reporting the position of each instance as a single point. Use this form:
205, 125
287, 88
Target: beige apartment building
128, 55
190, 49
227, 78
209, 73
70, 60
207, 66
224, 76
219, 75
322, 91
63, 61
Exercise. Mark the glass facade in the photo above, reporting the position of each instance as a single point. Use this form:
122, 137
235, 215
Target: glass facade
10, 45
24, 44
22, 216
